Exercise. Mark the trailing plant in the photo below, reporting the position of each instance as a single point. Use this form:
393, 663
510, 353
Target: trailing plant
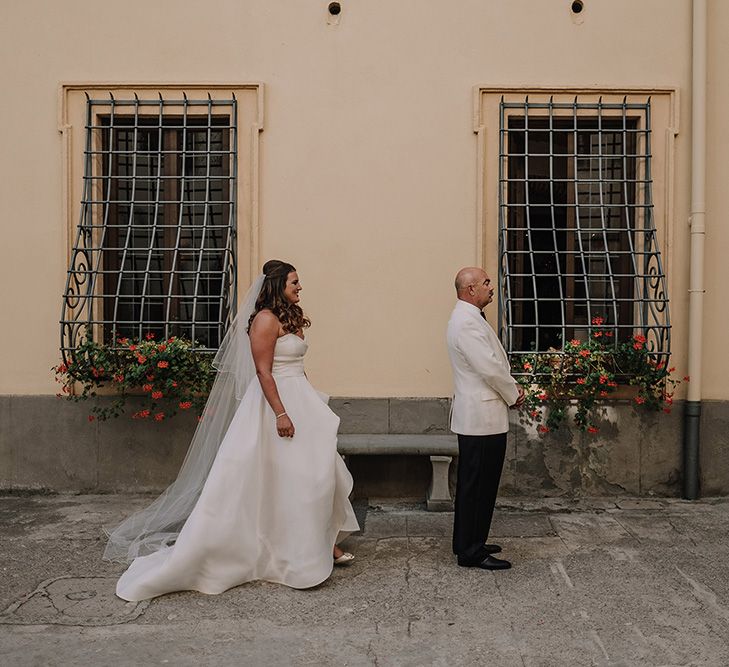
586, 373
170, 375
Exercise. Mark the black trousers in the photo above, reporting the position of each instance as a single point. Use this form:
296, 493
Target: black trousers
480, 461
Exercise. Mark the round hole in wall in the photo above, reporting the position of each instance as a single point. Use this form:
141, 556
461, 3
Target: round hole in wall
335, 8
577, 6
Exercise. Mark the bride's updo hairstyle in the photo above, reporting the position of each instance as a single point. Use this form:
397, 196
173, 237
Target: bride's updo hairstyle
290, 315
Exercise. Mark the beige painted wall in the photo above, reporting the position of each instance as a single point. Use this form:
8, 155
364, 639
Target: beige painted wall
369, 161
716, 275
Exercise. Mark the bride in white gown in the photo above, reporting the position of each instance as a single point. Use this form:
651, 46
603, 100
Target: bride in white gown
262, 493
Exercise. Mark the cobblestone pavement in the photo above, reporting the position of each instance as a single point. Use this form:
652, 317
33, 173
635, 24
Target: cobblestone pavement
595, 582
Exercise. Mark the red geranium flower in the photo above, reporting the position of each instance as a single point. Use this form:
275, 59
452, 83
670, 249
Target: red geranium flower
149, 336
185, 405
597, 320
161, 347
639, 400
584, 353
592, 429
91, 418
141, 358
686, 378
581, 381
603, 394
543, 429
156, 395
159, 416
147, 387
527, 366
163, 364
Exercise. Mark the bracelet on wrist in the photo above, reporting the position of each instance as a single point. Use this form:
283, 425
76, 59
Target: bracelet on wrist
281, 415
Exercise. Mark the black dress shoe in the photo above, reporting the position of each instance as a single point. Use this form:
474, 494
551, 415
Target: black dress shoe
488, 563
491, 548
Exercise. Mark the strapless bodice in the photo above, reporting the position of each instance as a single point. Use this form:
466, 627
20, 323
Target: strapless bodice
288, 356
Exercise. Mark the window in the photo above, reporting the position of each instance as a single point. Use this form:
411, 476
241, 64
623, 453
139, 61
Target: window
576, 233
155, 248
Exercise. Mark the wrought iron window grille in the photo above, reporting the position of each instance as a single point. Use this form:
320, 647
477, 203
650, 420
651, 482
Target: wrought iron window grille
155, 245
577, 238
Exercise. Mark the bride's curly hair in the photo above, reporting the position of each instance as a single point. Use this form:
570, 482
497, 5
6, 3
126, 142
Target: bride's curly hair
290, 315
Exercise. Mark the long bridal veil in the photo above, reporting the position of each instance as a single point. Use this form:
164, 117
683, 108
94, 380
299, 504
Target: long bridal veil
159, 524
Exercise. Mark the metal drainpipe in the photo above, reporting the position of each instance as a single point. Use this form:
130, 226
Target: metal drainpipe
692, 414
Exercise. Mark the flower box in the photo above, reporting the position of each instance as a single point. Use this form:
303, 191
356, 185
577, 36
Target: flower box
172, 374
586, 374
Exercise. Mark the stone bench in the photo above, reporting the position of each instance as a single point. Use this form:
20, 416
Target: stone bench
440, 448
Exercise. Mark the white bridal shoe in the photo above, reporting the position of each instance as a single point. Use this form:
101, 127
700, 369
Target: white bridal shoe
345, 559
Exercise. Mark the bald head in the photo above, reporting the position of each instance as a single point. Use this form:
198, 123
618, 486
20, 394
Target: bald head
473, 285
467, 276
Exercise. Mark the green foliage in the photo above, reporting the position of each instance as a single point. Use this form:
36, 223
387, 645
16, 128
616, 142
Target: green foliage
171, 376
587, 373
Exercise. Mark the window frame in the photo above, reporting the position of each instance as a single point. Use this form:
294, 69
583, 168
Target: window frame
487, 125
82, 315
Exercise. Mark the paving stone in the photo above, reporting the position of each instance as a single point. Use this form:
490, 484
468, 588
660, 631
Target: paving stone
588, 529
73, 601
385, 525
531, 549
612, 587
639, 504
511, 524
431, 524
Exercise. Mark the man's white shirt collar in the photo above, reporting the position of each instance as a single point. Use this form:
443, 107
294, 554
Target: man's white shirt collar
469, 307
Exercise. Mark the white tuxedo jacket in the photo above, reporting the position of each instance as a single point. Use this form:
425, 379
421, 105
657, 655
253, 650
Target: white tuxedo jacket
484, 388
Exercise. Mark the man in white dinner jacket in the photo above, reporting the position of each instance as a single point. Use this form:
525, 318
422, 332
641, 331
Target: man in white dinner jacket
484, 391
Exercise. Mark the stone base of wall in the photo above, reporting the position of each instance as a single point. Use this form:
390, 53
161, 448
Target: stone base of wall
48, 444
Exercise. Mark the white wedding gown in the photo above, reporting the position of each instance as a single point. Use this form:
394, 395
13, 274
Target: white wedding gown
272, 508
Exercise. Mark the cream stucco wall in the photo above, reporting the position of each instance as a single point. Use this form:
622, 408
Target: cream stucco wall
716, 275
369, 161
